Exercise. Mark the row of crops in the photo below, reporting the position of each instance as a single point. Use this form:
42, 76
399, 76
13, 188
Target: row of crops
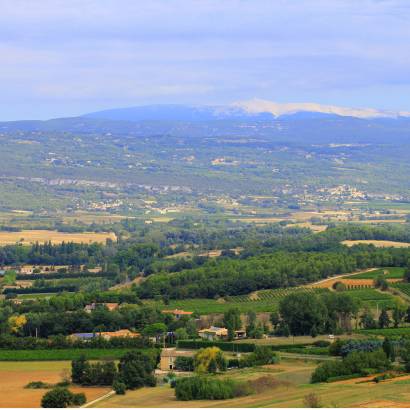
273, 294
399, 331
402, 287
373, 298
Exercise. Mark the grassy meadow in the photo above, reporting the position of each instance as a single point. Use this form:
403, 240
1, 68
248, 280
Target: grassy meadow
288, 386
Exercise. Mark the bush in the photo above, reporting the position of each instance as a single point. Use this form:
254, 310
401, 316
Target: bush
321, 343
360, 346
356, 362
119, 387
37, 385
312, 401
78, 399
61, 397
203, 388
262, 355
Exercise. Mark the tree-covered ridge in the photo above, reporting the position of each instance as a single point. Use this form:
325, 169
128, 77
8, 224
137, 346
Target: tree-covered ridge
279, 269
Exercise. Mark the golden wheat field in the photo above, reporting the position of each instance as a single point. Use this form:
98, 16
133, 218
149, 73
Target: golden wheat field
41, 236
379, 244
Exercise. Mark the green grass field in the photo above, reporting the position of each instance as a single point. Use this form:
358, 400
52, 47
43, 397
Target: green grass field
372, 298
400, 331
393, 273
60, 354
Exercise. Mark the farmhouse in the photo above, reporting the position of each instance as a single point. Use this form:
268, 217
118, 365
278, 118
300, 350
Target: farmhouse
213, 333
104, 335
119, 333
110, 306
169, 356
219, 333
177, 313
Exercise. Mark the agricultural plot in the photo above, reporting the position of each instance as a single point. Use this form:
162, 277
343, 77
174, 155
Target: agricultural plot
261, 301
42, 236
388, 273
59, 354
373, 298
288, 388
377, 243
402, 287
400, 331
15, 375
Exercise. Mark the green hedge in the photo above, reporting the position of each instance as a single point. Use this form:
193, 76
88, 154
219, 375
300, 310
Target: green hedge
225, 346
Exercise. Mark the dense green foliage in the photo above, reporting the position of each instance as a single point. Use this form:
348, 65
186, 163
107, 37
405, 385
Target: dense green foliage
61, 397
279, 269
353, 363
205, 388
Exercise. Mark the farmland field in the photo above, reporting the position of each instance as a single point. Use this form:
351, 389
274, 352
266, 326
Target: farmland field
388, 273
261, 301
289, 389
15, 375
378, 244
60, 354
400, 331
403, 287
372, 298
41, 236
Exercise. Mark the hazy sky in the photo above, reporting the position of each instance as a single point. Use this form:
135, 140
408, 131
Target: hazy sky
62, 58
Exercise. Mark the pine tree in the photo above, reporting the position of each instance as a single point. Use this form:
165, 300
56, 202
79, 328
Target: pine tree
384, 320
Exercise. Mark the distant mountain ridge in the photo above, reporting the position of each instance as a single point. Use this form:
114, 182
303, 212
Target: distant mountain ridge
251, 110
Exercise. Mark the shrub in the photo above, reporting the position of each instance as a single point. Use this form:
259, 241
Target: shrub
356, 362
204, 388
119, 387
78, 399
37, 385
61, 397
262, 355
312, 401
321, 343
360, 346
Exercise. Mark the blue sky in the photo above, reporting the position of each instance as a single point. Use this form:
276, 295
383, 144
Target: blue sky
63, 58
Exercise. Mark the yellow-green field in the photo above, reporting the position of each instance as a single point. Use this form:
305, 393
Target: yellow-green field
41, 236
292, 386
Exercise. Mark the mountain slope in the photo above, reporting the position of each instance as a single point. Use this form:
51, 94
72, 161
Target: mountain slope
255, 109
